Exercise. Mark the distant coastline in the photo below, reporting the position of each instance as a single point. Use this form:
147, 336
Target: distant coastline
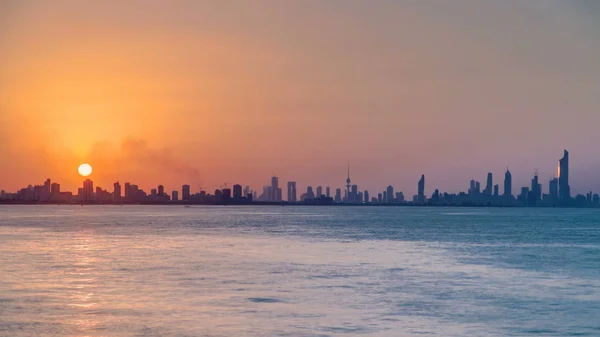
265, 203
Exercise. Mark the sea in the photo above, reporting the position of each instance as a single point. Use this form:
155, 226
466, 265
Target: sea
298, 271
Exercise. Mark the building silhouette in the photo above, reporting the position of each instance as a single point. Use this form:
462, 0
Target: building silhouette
389, 192
421, 190
291, 191
275, 192
117, 192
489, 184
354, 194
237, 192
55, 190
338, 195
564, 189
88, 190
507, 185
185, 192
348, 181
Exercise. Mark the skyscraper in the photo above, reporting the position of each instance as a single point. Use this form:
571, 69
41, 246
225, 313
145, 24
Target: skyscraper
88, 190
128, 195
291, 191
319, 191
421, 189
161, 190
507, 184
564, 189
366, 197
275, 190
237, 192
338, 195
390, 194
185, 192
55, 189
175, 196
489, 184
536, 190
496, 190
327, 192
117, 192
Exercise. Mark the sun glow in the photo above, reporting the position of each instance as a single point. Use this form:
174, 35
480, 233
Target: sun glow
85, 169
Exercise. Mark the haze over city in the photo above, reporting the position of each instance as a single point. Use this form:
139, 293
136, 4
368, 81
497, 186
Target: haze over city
208, 93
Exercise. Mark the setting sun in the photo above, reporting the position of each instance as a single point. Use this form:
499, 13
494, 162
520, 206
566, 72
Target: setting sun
85, 169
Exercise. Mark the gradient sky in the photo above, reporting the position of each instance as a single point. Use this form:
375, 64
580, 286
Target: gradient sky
214, 92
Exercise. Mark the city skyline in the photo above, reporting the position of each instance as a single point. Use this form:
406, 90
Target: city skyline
205, 92
558, 188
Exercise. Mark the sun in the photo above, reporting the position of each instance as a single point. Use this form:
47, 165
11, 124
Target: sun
85, 169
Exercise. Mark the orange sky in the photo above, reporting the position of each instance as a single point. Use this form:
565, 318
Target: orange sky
209, 93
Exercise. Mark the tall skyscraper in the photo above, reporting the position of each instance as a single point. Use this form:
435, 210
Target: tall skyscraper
489, 184
536, 189
117, 192
390, 194
564, 189
161, 191
127, 191
275, 190
291, 191
421, 189
175, 196
508, 184
185, 192
328, 192
319, 191
237, 192
366, 197
88, 190
354, 194
496, 190
338, 195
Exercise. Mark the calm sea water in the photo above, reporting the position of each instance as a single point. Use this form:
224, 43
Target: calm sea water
298, 271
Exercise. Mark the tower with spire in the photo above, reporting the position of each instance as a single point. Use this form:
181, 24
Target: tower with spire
348, 181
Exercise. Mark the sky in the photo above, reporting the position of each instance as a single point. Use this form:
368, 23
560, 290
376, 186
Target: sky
222, 92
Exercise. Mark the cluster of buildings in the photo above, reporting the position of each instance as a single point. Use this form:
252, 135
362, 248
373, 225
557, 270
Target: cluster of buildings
558, 194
